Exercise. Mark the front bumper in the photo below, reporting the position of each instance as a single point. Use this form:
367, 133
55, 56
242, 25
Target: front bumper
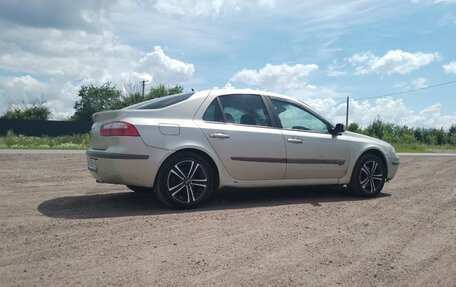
393, 166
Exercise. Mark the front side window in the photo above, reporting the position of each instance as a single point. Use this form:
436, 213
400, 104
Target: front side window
245, 110
294, 117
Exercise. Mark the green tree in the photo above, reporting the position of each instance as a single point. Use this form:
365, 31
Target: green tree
128, 100
37, 111
162, 91
106, 97
452, 135
154, 92
95, 99
376, 129
354, 127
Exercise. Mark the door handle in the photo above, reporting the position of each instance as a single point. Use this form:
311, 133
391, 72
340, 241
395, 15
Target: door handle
294, 140
219, 136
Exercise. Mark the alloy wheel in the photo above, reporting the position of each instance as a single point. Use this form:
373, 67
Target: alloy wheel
187, 181
371, 176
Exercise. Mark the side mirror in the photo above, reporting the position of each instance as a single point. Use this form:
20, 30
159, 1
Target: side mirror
338, 129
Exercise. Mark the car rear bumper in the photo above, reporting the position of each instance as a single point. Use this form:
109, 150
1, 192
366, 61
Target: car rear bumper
113, 155
138, 169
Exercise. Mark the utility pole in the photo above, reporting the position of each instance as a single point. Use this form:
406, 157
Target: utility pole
346, 116
143, 83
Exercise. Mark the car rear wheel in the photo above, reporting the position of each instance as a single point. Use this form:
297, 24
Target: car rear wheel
185, 180
140, 189
368, 176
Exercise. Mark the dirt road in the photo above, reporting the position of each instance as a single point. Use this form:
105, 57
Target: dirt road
58, 227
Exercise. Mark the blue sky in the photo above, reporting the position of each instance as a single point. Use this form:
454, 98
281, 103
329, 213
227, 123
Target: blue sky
317, 51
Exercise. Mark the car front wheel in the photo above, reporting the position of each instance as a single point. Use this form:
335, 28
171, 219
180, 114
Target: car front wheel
368, 176
185, 180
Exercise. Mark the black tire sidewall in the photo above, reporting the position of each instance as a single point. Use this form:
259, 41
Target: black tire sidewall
162, 190
355, 185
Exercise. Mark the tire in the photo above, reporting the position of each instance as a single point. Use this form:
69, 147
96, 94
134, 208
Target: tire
368, 176
185, 180
140, 189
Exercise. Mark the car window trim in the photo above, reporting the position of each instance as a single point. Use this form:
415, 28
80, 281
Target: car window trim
272, 117
328, 125
220, 107
273, 114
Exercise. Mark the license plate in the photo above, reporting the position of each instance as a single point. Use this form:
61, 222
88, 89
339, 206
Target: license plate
92, 164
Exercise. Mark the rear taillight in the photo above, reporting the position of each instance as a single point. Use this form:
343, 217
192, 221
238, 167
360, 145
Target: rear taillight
118, 129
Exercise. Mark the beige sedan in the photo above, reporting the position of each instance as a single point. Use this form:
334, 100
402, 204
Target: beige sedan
186, 146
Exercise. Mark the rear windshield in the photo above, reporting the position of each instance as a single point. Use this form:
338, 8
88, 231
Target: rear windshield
165, 101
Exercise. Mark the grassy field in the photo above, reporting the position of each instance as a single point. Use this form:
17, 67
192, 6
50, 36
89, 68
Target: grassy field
419, 148
82, 142
12, 141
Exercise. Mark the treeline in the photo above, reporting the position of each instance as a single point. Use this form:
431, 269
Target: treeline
35, 110
92, 99
107, 97
405, 135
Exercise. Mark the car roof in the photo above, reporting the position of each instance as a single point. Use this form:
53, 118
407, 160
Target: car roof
228, 91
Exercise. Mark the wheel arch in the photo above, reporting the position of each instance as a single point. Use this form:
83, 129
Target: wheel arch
199, 152
377, 152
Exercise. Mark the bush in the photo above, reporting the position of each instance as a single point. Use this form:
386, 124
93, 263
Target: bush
10, 140
410, 136
35, 112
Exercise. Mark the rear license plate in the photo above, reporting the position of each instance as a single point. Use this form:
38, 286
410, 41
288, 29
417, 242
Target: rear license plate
92, 164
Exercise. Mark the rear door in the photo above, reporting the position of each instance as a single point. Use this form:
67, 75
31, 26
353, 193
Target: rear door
240, 130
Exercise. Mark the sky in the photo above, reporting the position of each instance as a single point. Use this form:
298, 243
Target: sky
320, 52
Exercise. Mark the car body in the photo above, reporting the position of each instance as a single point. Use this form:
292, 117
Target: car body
231, 138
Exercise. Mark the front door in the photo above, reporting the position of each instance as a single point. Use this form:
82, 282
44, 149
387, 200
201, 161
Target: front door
312, 152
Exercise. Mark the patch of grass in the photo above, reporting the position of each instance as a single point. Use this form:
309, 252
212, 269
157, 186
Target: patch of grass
417, 148
12, 141
82, 142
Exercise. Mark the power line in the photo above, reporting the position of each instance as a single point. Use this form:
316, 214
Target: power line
397, 93
409, 91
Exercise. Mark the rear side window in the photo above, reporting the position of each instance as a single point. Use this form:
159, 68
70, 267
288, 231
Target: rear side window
245, 110
165, 101
213, 113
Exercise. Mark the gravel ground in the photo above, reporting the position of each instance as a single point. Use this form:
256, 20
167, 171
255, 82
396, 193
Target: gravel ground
58, 227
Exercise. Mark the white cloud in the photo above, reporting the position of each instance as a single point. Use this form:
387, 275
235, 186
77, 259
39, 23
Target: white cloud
160, 68
450, 68
445, 1
447, 19
394, 61
59, 95
21, 89
283, 78
54, 58
115, 63
419, 83
427, 2
196, 8
335, 69
276, 77
389, 110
